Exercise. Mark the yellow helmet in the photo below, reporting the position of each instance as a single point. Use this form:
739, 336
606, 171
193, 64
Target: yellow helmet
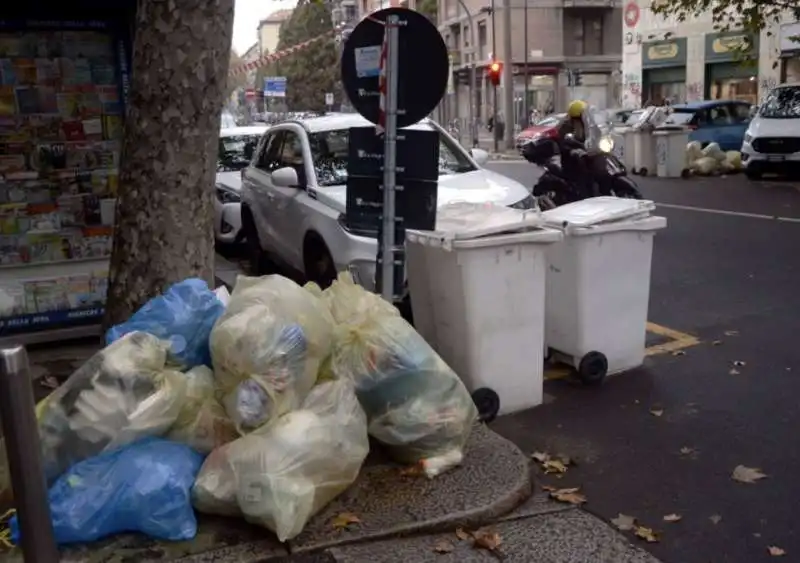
576, 108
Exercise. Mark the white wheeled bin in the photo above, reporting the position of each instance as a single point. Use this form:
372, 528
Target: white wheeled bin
477, 295
598, 284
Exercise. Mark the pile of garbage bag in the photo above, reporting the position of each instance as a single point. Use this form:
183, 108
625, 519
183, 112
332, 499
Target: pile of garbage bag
712, 160
257, 404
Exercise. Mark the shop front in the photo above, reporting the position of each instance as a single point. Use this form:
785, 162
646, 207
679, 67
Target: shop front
790, 52
664, 70
731, 66
64, 79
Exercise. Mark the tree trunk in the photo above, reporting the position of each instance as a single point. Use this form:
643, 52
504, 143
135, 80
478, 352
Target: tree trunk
164, 220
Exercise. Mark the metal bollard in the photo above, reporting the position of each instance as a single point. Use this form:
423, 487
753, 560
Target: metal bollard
21, 432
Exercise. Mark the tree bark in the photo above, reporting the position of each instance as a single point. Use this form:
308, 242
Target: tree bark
164, 219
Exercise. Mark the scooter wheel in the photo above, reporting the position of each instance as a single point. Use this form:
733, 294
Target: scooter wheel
593, 368
487, 402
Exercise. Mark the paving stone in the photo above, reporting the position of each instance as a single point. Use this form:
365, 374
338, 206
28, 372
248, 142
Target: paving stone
571, 536
493, 480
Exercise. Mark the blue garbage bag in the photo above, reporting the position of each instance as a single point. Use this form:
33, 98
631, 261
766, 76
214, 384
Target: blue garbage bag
184, 315
143, 487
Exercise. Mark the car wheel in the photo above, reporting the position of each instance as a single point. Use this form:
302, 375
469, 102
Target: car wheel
258, 261
317, 261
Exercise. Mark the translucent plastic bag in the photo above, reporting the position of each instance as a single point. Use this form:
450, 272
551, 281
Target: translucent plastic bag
734, 159
705, 166
414, 402
143, 487
202, 422
712, 150
282, 474
121, 394
694, 151
267, 347
184, 315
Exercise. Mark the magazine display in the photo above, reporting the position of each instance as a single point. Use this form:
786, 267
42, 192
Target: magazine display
61, 120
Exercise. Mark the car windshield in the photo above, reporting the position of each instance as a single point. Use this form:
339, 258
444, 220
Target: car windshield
547, 121
781, 103
235, 152
329, 151
680, 116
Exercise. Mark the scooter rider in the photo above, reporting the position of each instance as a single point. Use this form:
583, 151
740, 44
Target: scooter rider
577, 124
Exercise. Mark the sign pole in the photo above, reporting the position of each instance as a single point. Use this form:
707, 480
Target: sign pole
390, 157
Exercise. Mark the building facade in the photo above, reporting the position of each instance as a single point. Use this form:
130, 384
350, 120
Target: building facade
664, 59
565, 38
269, 31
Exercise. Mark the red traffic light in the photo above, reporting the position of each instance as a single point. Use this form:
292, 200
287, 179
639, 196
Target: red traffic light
495, 71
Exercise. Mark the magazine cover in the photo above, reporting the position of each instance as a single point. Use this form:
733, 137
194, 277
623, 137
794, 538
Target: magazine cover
68, 104
47, 72
10, 44
73, 130
8, 76
112, 127
27, 100
8, 102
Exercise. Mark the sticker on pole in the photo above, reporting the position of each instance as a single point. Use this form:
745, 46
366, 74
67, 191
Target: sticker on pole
423, 66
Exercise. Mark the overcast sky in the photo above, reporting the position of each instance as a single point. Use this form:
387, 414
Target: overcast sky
248, 14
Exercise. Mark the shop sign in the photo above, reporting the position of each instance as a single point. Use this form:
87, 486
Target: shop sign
790, 37
728, 46
664, 53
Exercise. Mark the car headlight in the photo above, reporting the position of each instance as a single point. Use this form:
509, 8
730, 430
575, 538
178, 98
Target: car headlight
357, 230
227, 195
606, 144
527, 202
748, 138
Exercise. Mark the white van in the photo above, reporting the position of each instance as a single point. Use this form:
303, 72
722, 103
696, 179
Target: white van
772, 141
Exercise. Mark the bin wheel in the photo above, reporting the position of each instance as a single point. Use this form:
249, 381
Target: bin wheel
685, 173
488, 403
634, 170
592, 368
642, 171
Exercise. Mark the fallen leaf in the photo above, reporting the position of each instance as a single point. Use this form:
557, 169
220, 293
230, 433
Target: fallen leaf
776, 551
715, 519
549, 488
487, 539
679, 353
540, 457
443, 546
656, 412
716, 343
647, 534
624, 522
49, 381
747, 474
756, 535
739, 363
673, 518
412, 471
731, 333
554, 466
462, 534
686, 450
570, 496
734, 371
345, 519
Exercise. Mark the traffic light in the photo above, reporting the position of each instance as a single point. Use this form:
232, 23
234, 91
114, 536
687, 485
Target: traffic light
495, 71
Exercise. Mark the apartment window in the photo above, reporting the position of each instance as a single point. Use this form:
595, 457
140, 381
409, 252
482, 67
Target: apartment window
350, 13
466, 36
482, 41
588, 34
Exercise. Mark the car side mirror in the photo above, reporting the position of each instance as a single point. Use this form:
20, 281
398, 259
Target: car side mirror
480, 156
753, 111
285, 177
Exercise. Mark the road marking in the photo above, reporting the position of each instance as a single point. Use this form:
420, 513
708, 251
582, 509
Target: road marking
678, 341
729, 213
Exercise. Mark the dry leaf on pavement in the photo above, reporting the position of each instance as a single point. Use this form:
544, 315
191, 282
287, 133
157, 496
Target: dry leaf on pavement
715, 519
443, 546
554, 466
49, 381
731, 333
462, 534
412, 471
487, 539
739, 363
686, 450
549, 488
624, 522
647, 534
344, 520
747, 474
716, 343
656, 412
734, 371
679, 353
673, 517
540, 457
776, 551
569, 496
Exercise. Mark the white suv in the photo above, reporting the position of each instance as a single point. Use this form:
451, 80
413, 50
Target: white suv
294, 196
772, 141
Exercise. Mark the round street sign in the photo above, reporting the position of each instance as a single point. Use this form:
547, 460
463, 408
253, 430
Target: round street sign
423, 66
631, 14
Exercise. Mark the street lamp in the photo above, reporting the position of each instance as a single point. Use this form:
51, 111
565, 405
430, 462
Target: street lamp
473, 78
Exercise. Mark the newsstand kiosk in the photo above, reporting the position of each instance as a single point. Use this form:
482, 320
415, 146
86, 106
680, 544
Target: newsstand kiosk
64, 79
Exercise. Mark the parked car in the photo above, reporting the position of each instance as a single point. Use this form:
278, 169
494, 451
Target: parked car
772, 141
294, 196
236, 147
547, 126
714, 121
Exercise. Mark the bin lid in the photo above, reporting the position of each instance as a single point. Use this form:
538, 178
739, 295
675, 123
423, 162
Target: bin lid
597, 210
463, 220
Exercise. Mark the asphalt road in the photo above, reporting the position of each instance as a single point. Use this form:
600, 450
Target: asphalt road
726, 270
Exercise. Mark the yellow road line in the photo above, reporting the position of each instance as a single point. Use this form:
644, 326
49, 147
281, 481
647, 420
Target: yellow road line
678, 341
